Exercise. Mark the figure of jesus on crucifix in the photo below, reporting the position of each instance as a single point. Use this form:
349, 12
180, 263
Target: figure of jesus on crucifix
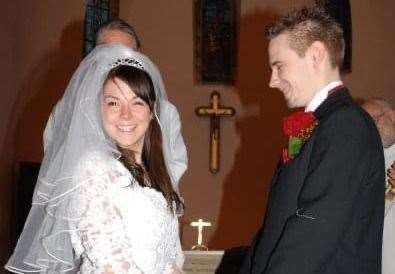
215, 111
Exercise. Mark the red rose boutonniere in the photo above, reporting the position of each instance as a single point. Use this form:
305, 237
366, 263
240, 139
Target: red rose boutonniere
298, 128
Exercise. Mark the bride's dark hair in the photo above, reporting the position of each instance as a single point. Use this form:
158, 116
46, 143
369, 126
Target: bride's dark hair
153, 171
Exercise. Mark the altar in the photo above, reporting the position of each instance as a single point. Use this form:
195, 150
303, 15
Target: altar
214, 261
202, 262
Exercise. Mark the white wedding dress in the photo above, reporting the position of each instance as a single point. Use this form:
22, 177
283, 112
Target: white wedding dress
122, 227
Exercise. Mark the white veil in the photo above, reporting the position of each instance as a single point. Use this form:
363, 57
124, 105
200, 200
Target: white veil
73, 128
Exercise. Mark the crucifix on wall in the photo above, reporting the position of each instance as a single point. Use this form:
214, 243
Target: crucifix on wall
214, 111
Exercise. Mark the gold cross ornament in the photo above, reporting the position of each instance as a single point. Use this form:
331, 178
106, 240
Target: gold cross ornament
200, 224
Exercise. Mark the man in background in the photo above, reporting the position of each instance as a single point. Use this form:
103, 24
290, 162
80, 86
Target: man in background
384, 117
118, 31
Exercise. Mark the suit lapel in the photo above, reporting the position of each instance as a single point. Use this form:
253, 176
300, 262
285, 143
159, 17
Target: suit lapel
282, 203
337, 98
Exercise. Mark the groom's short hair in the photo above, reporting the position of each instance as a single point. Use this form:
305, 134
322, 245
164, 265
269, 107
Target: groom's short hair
307, 25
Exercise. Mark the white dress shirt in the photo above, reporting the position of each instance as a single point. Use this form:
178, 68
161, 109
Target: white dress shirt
321, 95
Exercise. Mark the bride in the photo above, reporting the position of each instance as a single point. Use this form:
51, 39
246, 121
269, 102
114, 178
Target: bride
104, 201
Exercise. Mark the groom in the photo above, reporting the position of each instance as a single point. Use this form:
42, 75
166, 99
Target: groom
326, 203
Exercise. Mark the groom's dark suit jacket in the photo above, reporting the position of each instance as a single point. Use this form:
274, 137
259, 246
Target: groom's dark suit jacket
325, 208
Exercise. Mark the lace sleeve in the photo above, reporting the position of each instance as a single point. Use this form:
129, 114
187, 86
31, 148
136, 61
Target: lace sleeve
105, 245
180, 258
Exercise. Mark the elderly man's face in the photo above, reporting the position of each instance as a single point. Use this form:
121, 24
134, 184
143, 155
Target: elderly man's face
384, 118
116, 36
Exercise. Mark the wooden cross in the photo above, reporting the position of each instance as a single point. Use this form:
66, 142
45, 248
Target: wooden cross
215, 111
200, 224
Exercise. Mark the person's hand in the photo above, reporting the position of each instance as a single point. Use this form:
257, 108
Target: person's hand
172, 268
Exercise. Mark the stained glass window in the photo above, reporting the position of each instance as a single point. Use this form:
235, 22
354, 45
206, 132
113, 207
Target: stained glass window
97, 12
215, 40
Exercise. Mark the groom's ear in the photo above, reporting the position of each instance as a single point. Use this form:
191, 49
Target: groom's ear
318, 53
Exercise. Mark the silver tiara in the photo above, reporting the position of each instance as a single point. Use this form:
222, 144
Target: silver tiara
127, 62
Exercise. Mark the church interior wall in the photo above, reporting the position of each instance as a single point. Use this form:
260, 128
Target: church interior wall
42, 47
8, 93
